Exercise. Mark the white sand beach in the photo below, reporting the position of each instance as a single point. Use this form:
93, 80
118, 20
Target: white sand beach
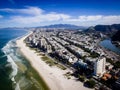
53, 76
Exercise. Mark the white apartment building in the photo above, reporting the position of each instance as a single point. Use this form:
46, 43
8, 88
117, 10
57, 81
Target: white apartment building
99, 66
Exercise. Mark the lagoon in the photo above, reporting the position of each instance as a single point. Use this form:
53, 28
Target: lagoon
109, 45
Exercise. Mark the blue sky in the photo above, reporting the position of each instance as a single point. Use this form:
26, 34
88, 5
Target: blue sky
27, 13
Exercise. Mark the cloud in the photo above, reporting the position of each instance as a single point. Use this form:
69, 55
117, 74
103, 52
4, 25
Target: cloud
84, 18
90, 18
110, 19
1, 16
31, 16
40, 18
95, 19
28, 10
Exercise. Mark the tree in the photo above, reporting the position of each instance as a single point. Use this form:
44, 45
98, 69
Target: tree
117, 64
109, 60
90, 83
81, 78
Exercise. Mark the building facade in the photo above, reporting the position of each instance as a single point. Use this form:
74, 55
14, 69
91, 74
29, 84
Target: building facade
99, 66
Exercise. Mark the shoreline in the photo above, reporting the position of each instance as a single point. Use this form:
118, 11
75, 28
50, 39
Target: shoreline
110, 53
53, 76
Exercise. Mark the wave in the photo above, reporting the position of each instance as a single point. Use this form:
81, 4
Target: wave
3, 56
17, 87
9, 52
14, 67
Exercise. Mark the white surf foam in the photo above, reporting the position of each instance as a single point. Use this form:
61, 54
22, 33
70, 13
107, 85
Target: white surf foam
17, 87
14, 67
7, 49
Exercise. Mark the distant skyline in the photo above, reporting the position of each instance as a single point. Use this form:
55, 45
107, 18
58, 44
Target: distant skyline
31, 13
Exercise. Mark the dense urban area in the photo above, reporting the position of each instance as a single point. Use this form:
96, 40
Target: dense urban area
80, 51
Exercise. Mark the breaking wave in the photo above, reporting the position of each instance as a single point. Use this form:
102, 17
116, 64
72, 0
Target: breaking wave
8, 49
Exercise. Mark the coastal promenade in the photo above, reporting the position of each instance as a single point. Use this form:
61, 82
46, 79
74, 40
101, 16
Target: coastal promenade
54, 77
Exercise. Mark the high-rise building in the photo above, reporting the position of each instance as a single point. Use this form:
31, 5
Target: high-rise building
99, 66
42, 42
49, 49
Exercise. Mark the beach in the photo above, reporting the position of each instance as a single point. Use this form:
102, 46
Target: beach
53, 76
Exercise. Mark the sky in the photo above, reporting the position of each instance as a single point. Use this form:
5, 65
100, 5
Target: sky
32, 13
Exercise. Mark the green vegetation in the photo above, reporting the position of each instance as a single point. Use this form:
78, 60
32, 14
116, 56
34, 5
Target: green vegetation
109, 60
61, 67
90, 83
33, 48
51, 62
87, 50
81, 78
117, 64
94, 54
83, 58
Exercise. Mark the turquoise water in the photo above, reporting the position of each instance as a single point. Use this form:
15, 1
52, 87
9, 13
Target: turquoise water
108, 44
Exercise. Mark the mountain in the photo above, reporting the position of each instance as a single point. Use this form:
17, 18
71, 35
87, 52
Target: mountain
116, 36
65, 26
106, 29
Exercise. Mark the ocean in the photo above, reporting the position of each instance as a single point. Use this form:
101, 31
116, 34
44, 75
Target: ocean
16, 72
5, 67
